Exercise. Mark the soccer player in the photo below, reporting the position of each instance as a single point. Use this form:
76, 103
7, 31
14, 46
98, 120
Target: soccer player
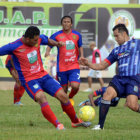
127, 82
18, 88
68, 69
96, 58
97, 102
36, 81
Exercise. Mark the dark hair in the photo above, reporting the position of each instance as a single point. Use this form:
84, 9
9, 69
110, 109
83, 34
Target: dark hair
121, 28
31, 31
66, 17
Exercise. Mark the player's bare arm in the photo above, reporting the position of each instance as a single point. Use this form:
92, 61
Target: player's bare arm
48, 50
52, 42
101, 66
90, 96
81, 52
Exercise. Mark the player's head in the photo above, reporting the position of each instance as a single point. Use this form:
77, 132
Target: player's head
66, 23
92, 45
121, 33
31, 35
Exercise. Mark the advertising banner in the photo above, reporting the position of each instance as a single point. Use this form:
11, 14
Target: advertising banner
93, 21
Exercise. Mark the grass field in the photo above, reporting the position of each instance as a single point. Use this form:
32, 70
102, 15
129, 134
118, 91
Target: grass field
27, 122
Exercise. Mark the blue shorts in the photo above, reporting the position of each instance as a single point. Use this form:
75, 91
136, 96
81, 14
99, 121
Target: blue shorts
126, 85
71, 76
46, 84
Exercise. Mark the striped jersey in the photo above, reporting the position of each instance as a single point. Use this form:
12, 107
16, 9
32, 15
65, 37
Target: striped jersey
128, 58
67, 57
27, 60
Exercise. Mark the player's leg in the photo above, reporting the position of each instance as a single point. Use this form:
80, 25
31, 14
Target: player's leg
101, 82
46, 110
115, 88
132, 91
35, 91
105, 104
62, 78
18, 89
74, 79
99, 76
18, 93
69, 109
57, 91
132, 103
90, 75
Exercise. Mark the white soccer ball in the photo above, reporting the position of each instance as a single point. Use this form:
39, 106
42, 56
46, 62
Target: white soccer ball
87, 113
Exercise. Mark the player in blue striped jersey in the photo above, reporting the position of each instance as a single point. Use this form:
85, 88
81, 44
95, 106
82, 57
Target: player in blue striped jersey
127, 82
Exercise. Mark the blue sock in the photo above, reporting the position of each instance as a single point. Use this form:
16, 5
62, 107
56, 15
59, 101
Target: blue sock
103, 110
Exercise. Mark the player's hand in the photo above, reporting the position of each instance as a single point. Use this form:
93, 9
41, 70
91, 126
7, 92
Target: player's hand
60, 44
83, 61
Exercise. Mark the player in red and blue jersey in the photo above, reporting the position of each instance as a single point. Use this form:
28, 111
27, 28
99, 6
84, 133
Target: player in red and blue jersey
26, 56
127, 82
18, 88
68, 69
97, 102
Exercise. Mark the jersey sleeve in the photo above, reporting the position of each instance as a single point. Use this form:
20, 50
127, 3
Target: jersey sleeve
53, 37
80, 41
7, 49
44, 40
111, 58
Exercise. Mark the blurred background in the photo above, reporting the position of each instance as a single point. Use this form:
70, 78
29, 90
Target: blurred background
92, 18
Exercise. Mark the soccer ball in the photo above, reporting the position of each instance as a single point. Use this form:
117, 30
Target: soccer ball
86, 113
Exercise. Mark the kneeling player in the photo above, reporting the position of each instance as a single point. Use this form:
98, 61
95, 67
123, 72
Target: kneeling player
97, 102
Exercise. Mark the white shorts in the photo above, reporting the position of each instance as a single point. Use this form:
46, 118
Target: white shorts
94, 73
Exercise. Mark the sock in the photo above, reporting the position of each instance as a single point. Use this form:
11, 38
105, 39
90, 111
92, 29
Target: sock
18, 93
69, 110
48, 114
103, 110
73, 92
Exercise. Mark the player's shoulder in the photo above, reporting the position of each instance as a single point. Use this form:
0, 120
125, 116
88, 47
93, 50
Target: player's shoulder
76, 32
42, 36
16, 43
135, 40
57, 33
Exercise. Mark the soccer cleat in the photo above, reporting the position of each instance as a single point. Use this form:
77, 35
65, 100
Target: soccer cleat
86, 102
81, 123
60, 127
88, 90
18, 103
97, 127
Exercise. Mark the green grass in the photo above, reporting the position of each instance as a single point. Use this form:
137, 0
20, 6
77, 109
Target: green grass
27, 122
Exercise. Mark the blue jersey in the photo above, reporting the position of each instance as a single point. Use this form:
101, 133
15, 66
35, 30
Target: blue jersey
128, 58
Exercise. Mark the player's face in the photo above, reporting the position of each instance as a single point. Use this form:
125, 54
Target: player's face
66, 24
119, 37
32, 41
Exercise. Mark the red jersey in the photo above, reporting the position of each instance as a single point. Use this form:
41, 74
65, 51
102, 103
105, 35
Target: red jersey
67, 57
27, 59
